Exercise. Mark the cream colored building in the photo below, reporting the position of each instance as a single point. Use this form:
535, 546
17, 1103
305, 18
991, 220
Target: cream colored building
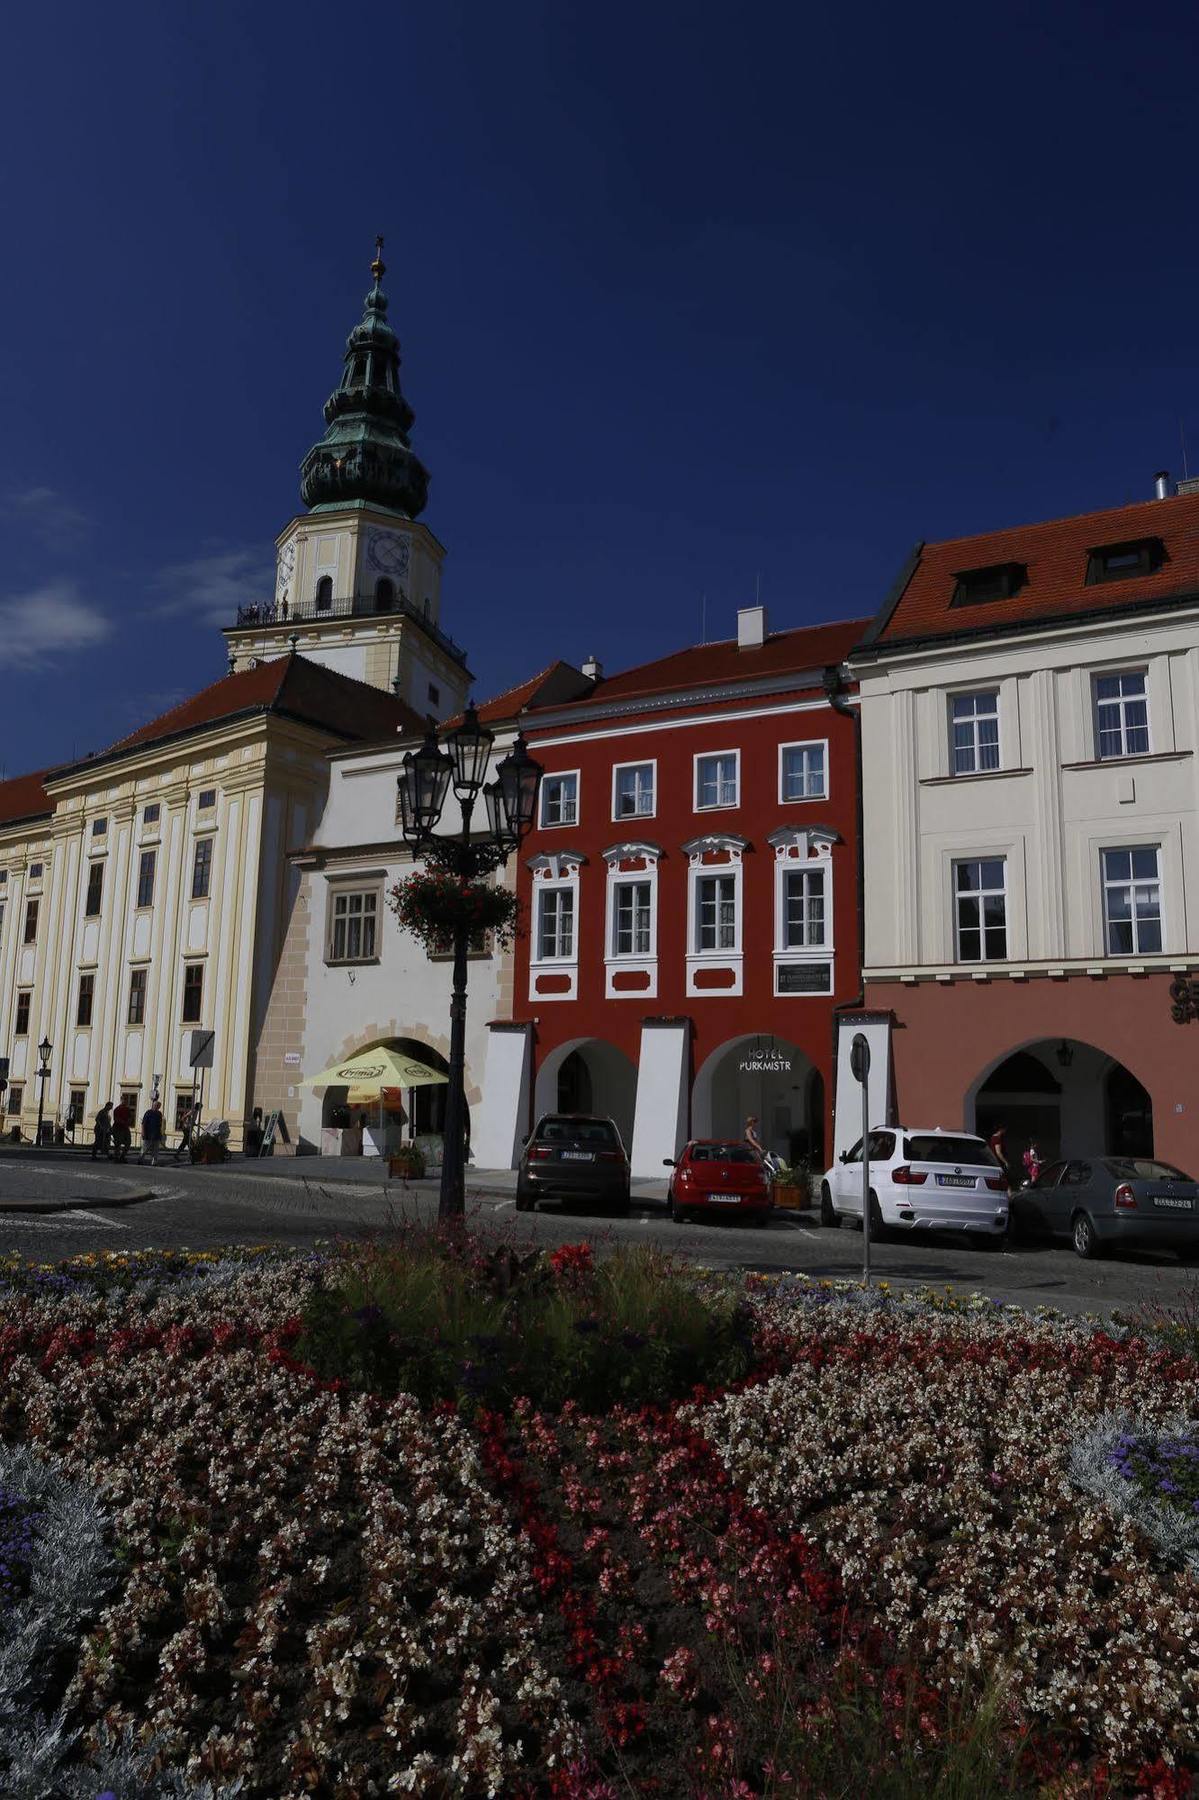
144, 892
1030, 751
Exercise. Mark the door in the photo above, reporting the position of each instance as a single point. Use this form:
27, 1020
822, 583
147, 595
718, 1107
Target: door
848, 1191
1071, 1191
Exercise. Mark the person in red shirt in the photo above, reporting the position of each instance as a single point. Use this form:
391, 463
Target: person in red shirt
998, 1146
122, 1132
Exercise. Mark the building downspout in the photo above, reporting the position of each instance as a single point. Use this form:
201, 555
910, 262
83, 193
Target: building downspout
834, 693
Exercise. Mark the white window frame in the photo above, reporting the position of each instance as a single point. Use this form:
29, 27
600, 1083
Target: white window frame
642, 918
622, 861
786, 799
645, 762
555, 873
348, 890
561, 893
982, 959
802, 852
1121, 703
972, 719
729, 849
702, 756
545, 824
1133, 883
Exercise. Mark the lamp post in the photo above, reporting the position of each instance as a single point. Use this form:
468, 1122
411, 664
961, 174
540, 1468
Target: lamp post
511, 802
44, 1050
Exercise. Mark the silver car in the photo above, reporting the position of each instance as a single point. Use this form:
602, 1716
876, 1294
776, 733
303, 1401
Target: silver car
1101, 1202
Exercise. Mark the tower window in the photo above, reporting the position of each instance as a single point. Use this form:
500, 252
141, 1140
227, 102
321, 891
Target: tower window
324, 594
434, 694
359, 375
385, 594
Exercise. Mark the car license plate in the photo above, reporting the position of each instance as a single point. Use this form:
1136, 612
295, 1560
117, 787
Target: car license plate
726, 1199
1177, 1202
958, 1181
577, 1156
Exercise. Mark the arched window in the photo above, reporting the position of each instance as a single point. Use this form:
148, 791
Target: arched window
324, 594
385, 595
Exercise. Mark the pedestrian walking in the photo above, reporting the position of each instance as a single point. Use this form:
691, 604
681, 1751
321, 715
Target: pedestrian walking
102, 1131
187, 1122
151, 1134
998, 1146
1032, 1162
122, 1131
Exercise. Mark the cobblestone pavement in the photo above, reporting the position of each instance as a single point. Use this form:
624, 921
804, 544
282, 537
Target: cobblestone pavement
301, 1201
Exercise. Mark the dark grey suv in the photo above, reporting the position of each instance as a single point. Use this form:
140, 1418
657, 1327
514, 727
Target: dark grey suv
569, 1156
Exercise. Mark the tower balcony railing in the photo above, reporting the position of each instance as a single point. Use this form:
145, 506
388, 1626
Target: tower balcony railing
351, 606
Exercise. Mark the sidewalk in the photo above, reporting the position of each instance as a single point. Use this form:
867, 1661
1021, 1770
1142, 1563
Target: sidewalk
371, 1171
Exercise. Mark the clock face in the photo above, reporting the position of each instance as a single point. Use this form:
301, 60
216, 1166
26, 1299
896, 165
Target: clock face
387, 551
287, 563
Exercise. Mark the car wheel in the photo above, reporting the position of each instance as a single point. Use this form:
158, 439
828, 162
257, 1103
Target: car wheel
878, 1230
622, 1209
1084, 1237
524, 1202
828, 1213
1188, 1258
676, 1212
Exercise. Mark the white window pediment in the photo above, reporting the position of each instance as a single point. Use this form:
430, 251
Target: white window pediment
715, 843
794, 844
646, 854
556, 865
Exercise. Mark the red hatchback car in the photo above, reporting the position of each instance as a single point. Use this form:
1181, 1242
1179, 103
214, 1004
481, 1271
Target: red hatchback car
718, 1175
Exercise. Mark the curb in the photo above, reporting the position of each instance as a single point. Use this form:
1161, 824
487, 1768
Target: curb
84, 1201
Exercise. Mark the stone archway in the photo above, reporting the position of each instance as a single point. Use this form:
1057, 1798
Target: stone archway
589, 1075
1068, 1097
769, 1077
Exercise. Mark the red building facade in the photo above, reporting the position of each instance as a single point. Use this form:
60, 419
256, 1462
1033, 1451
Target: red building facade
692, 895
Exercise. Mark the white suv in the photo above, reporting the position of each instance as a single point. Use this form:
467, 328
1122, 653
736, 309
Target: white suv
920, 1180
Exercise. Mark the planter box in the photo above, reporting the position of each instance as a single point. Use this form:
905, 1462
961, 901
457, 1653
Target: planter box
794, 1198
400, 1168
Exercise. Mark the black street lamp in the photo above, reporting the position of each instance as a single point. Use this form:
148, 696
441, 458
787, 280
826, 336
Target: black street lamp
44, 1050
511, 802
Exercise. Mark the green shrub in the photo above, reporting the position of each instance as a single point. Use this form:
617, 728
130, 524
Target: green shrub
450, 1316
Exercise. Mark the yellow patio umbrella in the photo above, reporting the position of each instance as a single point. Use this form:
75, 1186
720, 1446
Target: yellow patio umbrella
367, 1074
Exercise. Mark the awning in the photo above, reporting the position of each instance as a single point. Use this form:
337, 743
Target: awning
368, 1073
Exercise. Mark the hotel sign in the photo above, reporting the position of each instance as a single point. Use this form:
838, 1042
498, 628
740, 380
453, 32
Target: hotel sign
765, 1062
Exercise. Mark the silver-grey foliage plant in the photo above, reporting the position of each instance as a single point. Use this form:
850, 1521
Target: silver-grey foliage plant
1175, 1534
71, 1573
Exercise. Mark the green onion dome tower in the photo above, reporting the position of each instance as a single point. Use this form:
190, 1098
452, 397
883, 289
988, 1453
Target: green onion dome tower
365, 454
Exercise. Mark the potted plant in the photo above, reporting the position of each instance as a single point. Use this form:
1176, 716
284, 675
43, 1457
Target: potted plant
791, 1187
407, 1163
209, 1148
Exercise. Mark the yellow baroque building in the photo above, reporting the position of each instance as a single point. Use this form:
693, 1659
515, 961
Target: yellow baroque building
144, 893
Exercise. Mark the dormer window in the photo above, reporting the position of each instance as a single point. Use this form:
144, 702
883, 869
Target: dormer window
1123, 562
999, 581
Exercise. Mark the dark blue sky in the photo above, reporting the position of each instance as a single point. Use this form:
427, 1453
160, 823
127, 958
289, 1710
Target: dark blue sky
686, 294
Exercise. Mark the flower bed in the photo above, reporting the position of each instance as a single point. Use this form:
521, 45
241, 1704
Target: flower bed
867, 1565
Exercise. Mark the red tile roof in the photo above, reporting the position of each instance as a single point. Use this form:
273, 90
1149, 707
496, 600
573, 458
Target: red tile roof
556, 684
24, 797
785, 654
1055, 555
291, 686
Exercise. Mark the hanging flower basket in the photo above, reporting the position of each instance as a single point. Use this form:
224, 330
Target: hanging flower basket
432, 904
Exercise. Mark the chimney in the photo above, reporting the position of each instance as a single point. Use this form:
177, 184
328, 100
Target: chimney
1161, 485
593, 668
751, 627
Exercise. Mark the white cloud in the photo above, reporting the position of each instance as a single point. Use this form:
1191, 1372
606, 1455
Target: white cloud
210, 589
48, 622
44, 512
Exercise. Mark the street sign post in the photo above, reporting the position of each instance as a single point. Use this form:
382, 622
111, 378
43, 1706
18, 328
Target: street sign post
201, 1057
859, 1062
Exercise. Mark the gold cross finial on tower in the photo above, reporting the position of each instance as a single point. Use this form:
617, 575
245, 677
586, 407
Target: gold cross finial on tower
378, 267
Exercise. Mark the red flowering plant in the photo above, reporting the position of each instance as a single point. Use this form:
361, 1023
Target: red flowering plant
434, 903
